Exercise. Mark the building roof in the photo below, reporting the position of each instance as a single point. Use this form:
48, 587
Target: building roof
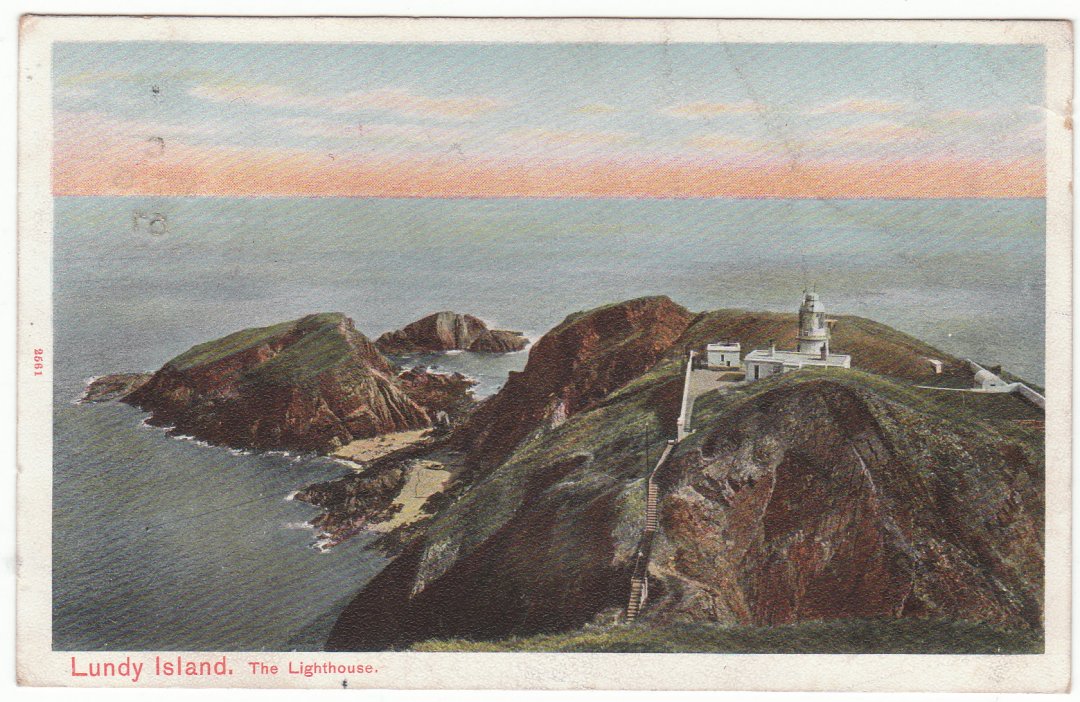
794, 358
723, 346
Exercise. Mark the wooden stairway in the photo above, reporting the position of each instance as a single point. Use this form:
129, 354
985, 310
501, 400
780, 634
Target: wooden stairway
652, 500
639, 581
638, 591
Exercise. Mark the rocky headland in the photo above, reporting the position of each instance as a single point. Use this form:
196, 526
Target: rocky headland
819, 496
450, 331
116, 386
449, 393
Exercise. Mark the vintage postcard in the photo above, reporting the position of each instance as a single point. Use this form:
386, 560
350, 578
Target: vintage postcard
451, 353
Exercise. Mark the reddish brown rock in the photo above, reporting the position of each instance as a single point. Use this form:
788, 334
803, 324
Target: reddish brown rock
822, 501
449, 331
834, 496
310, 385
438, 392
114, 387
570, 368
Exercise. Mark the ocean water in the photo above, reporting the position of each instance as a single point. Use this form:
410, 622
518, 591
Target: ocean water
162, 543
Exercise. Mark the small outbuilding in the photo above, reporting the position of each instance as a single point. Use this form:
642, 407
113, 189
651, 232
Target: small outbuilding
724, 354
985, 380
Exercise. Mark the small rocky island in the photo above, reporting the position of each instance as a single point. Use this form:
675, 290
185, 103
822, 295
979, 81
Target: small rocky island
311, 384
450, 331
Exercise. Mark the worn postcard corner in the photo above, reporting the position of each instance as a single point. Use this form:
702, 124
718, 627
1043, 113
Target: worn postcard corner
354, 353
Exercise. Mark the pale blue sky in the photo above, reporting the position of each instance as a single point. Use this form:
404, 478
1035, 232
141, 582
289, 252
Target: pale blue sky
739, 103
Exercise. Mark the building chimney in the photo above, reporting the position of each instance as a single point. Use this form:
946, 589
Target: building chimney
772, 347
824, 353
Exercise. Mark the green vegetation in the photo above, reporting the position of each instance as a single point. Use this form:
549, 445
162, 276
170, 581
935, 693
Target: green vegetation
606, 447
849, 636
612, 438
320, 348
318, 351
752, 329
893, 342
611, 434
211, 351
997, 411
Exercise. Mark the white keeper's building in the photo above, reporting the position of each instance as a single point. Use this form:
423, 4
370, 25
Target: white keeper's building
723, 354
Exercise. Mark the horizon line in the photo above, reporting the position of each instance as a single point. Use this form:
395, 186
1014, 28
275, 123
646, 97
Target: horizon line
310, 196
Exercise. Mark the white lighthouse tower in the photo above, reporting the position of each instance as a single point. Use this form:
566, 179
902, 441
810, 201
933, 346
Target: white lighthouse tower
812, 350
813, 335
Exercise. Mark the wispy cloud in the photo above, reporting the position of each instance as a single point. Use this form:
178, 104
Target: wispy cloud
77, 92
968, 119
570, 136
854, 141
93, 77
860, 106
596, 108
399, 101
77, 126
1034, 132
704, 109
134, 77
412, 104
466, 119
263, 94
881, 142
735, 145
374, 132
261, 172
876, 133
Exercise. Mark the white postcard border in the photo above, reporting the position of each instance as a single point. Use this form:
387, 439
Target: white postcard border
38, 664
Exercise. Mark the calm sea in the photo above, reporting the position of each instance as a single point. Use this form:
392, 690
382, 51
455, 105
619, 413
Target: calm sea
161, 543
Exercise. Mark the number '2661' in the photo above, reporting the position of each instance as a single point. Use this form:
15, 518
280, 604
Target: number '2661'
39, 361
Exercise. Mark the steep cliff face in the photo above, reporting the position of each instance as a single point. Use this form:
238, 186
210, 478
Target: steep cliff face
800, 498
826, 500
312, 385
572, 367
541, 544
449, 331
